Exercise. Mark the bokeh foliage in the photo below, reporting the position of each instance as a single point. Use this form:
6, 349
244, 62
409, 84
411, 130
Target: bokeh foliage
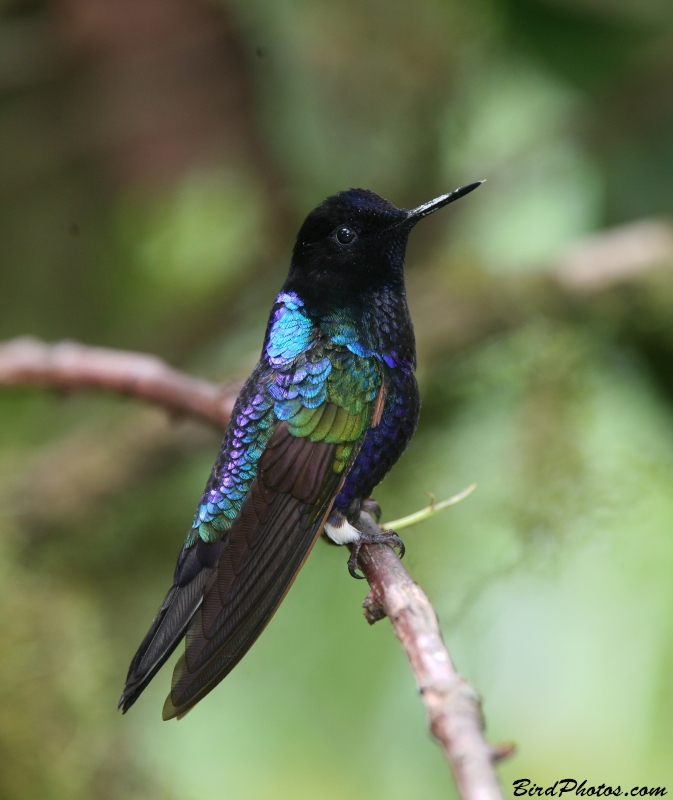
156, 159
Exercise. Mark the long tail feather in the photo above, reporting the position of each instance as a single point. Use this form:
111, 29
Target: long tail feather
165, 634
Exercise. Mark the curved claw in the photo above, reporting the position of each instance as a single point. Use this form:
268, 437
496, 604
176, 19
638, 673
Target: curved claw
394, 540
353, 562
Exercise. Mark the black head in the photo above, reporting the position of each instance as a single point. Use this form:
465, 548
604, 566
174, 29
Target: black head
354, 243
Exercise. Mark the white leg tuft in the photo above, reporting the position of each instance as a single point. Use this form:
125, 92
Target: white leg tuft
344, 533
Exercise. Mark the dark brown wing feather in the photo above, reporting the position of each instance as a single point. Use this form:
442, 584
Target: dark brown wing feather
264, 550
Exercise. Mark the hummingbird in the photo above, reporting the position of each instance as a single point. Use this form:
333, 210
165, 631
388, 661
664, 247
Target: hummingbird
327, 411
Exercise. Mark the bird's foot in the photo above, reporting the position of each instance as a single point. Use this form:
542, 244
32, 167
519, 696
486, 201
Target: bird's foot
384, 537
372, 507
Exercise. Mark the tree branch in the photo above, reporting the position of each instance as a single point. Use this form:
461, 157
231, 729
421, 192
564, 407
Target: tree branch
67, 366
452, 704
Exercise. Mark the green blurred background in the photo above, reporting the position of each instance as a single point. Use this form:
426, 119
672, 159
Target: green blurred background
156, 159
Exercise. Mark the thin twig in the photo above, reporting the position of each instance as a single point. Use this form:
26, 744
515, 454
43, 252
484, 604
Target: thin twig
453, 706
428, 511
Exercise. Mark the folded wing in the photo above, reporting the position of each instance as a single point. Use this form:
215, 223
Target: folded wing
232, 576
269, 541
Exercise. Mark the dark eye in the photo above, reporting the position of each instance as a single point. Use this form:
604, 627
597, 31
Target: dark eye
345, 235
